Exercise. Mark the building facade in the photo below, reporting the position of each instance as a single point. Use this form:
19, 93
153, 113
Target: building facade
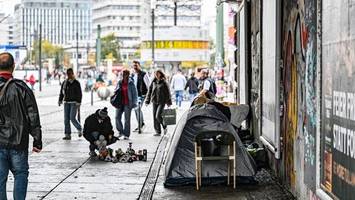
6, 29
125, 19
62, 21
188, 14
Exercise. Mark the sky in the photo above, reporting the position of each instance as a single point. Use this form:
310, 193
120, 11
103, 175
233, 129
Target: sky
208, 11
8, 6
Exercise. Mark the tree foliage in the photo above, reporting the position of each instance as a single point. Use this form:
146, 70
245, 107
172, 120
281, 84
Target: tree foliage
49, 50
110, 48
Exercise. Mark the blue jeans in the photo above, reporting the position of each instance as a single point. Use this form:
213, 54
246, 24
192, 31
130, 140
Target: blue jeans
179, 96
192, 96
70, 110
126, 130
16, 162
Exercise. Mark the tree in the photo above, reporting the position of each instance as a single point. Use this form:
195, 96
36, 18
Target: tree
110, 47
48, 51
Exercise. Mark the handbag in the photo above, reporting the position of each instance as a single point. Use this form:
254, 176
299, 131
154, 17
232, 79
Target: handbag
169, 116
116, 99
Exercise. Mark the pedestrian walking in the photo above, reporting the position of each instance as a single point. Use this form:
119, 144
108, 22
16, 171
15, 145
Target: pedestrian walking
128, 92
32, 81
207, 86
192, 84
19, 118
142, 82
178, 83
71, 95
97, 124
159, 95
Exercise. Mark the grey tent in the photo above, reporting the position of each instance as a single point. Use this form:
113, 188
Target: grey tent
179, 160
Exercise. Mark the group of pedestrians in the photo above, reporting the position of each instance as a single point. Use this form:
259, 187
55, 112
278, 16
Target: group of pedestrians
204, 86
19, 115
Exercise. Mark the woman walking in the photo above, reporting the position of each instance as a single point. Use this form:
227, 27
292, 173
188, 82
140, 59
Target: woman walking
128, 92
159, 95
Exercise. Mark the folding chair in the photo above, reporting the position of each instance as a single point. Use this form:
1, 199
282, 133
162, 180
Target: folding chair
227, 139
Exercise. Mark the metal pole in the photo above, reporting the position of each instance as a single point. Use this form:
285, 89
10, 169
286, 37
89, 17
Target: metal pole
77, 52
153, 39
40, 57
87, 53
98, 46
92, 96
219, 36
175, 13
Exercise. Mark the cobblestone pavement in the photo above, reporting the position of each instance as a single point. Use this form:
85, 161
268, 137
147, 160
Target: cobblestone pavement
63, 169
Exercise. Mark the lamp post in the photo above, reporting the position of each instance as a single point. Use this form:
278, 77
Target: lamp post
40, 57
175, 12
77, 52
152, 6
220, 35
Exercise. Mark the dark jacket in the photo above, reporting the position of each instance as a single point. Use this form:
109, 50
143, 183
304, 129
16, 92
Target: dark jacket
92, 125
70, 91
159, 93
192, 84
142, 89
19, 105
132, 93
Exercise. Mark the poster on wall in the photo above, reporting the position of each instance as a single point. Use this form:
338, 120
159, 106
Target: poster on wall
270, 76
338, 100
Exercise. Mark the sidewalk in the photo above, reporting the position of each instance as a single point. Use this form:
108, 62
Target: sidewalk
64, 171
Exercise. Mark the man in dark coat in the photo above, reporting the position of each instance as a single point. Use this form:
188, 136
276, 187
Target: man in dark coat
71, 95
19, 118
98, 124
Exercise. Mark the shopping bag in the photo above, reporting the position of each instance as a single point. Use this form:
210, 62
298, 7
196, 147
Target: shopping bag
169, 116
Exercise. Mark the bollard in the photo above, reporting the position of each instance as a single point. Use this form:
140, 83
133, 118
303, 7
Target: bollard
92, 97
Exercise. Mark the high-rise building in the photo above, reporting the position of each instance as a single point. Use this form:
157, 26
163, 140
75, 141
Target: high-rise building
125, 19
6, 29
61, 21
188, 13
180, 40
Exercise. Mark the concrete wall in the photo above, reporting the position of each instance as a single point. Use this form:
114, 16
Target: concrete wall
298, 90
317, 95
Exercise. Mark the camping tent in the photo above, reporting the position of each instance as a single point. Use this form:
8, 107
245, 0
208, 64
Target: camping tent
179, 161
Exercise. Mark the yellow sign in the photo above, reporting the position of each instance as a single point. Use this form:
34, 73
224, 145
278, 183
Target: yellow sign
192, 64
178, 44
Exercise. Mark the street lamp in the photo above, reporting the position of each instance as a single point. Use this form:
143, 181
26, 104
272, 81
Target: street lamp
152, 6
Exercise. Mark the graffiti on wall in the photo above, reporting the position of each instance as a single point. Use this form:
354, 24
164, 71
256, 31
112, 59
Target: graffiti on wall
299, 89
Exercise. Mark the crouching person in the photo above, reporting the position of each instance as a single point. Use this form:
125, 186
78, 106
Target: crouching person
96, 128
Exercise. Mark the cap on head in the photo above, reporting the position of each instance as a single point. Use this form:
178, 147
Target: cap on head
103, 113
6, 61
